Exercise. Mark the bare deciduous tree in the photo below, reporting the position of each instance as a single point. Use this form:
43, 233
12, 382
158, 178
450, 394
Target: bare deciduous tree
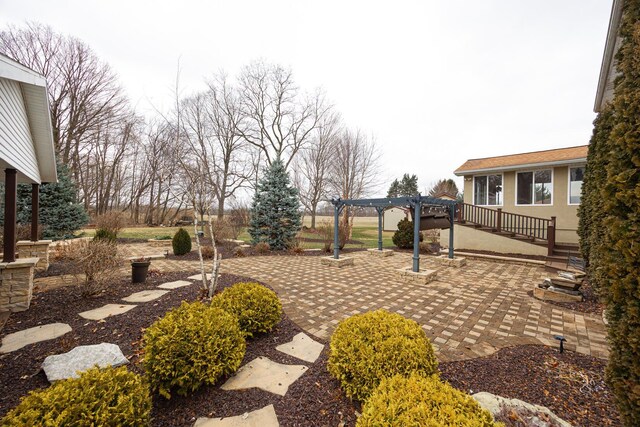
313, 165
355, 169
278, 119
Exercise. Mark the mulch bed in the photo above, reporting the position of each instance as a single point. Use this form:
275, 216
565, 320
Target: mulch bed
56, 268
590, 304
570, 384
315, 399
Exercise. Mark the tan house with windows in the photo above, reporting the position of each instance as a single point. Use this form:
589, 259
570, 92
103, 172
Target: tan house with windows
517, 197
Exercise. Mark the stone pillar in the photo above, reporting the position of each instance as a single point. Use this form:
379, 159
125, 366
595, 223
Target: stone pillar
16, 284
39, 249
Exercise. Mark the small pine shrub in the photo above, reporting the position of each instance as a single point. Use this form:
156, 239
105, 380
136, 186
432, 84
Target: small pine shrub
181, 242
422, 401
403, 237
99, 397
368, 347
192, 345
104, 234
256, 307
262, 248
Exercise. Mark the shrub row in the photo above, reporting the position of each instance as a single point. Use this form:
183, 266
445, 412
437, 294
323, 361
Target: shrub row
387, 362
192, 345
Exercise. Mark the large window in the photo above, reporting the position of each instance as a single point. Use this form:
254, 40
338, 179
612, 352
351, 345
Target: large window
575, 184
534, 188
487, 190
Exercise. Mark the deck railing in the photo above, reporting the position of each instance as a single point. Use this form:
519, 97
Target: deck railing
497, 220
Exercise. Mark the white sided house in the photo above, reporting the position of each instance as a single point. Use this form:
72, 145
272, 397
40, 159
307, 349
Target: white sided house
523, 203
26, 156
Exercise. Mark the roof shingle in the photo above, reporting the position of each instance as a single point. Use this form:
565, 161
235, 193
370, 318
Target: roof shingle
512, 161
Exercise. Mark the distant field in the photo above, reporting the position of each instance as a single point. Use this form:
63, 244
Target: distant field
364, 230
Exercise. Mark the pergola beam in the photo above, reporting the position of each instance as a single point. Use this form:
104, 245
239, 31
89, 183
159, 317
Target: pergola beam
415, 202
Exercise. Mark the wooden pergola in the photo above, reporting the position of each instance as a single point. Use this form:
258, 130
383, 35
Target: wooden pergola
414, 202
27, 152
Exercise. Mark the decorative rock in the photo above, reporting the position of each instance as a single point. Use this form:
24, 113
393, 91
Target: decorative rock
265, 417
340, 262
68, 365
175, 285
106, 311
145, 296
422, 277
266, 375
494, 404
380, 253
17, 340
552, 294
451, 262
302, 347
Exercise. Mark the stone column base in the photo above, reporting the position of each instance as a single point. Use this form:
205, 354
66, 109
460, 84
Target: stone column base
340, 262
39, 249
16, 284
457, 262
380, 253
422, 277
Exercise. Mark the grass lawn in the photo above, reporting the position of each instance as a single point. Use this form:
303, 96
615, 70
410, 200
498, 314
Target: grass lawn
364, 230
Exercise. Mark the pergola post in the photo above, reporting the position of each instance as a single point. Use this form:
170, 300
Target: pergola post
35, 209
380, 211
336, 218
10, 214
452, 210
416, 235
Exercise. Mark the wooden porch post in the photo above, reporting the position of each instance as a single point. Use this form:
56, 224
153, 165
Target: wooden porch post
551, 236
35, 207
10, 214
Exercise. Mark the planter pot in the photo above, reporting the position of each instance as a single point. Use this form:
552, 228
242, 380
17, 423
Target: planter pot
139, 270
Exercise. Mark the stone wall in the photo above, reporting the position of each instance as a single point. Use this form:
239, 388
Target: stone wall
16, 284
39, 249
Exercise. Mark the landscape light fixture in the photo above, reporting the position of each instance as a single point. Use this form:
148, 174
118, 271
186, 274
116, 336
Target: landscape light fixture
562, 340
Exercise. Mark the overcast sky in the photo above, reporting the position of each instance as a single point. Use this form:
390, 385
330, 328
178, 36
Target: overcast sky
436, 82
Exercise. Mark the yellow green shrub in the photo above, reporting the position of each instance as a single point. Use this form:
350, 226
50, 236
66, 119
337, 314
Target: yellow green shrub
99, 397
368, 347
192, 345
422, 402
257, 308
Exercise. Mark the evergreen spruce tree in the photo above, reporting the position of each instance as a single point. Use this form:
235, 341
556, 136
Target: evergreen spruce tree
60, 213
275, 211
610, 218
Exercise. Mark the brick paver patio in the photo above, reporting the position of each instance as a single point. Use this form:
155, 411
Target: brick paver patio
467, 312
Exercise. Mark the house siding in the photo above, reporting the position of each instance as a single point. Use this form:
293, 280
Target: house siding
16, 143
566, 214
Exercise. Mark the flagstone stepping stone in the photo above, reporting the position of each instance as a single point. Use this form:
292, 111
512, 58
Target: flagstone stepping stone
302, 347
145, 296
265, 417
175, 285
68, 365
17, 340
106, 311
199, 276
266, 375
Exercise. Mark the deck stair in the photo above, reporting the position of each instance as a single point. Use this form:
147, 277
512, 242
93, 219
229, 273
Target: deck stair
524, 228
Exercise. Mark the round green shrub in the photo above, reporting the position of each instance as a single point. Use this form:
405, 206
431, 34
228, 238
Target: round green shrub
403, 237
192, 345
104, 234
99, 397
181, 242
256, 307
368, 347
422, 401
